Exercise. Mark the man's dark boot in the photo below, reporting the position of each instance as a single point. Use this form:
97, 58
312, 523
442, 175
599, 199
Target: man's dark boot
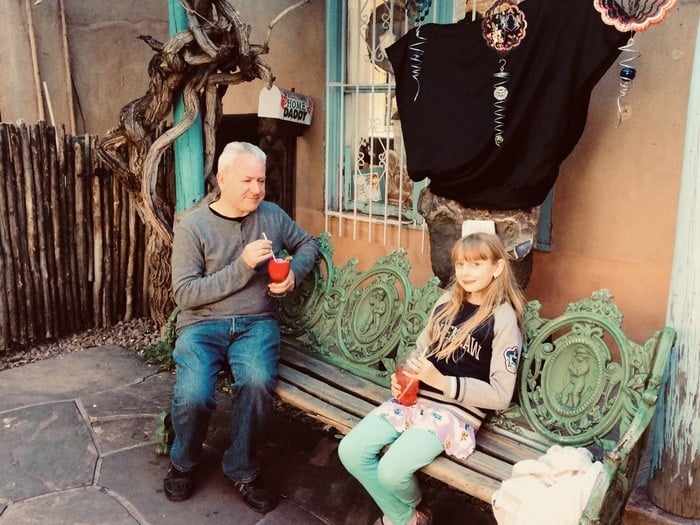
178, 485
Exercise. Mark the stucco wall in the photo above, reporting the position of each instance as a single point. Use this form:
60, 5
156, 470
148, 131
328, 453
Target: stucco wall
616, 199
108, 62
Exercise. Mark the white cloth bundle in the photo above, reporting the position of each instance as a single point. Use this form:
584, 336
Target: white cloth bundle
552, 490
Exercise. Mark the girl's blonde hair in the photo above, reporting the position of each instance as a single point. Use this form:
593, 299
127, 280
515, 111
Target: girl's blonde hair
502, 288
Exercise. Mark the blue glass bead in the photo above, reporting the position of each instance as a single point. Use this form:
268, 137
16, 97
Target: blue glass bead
628, 73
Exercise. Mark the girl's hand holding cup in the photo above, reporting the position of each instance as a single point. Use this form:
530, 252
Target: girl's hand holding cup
404, 387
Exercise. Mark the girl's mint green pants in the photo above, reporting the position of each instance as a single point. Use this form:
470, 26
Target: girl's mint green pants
389, 479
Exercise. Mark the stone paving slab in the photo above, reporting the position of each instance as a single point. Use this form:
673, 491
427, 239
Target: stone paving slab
70, 376
137, 474
80, 506
45, 448
127, 416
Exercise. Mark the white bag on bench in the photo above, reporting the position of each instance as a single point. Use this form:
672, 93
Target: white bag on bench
552, 490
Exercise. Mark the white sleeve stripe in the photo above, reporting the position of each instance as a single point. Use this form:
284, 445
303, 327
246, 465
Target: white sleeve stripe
453, 391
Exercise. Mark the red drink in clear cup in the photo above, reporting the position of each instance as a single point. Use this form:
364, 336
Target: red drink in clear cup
409, 387
278, 269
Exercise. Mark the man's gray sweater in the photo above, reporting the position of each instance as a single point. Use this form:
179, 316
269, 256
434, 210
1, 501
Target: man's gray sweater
211, 280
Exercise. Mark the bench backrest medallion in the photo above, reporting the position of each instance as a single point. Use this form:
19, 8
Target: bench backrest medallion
581, 380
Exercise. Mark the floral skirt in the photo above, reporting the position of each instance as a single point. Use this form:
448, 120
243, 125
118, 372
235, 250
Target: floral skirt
456, 435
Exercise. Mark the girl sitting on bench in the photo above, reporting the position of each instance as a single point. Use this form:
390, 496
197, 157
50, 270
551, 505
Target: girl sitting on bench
466, 361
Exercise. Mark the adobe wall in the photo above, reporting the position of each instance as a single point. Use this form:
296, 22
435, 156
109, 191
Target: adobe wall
108, 62
616, 199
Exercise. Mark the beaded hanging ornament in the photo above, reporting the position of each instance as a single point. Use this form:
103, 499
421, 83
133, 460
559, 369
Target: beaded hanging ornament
503, 27
630, 15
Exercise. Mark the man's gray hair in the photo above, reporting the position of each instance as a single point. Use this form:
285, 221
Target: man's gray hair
233, 149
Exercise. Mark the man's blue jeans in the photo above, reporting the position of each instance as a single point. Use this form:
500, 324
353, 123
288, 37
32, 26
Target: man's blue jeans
250, 344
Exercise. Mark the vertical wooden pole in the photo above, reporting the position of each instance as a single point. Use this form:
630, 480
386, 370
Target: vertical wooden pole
674, 482
35, 60
67, 67
189, 149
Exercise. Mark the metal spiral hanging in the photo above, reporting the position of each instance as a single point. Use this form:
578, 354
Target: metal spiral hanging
627, 74
415, 57
500, 94
503, 28
631, 15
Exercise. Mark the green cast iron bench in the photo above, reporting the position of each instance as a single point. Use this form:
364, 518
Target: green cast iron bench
581, 381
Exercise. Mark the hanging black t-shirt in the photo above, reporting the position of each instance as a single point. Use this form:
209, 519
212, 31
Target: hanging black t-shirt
444, 93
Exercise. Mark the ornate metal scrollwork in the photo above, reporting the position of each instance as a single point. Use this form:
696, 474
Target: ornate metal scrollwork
572, 389
300, 310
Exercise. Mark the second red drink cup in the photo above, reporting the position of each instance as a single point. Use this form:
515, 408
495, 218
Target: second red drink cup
409, 387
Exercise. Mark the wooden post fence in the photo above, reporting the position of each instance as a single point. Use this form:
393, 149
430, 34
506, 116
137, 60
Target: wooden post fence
72, 246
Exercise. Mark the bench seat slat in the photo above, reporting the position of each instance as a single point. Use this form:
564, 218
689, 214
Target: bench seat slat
324, 412
342, 379
331, 403
327, 390
324, 392
484, 464
472, 472
502, 447
454, 475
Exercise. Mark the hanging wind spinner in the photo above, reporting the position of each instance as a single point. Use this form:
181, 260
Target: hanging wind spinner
630, 15
503, 28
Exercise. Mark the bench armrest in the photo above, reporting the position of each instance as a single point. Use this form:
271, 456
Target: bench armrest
605, 494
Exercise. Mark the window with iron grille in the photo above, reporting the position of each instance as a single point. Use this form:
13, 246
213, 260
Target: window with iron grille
365, 165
